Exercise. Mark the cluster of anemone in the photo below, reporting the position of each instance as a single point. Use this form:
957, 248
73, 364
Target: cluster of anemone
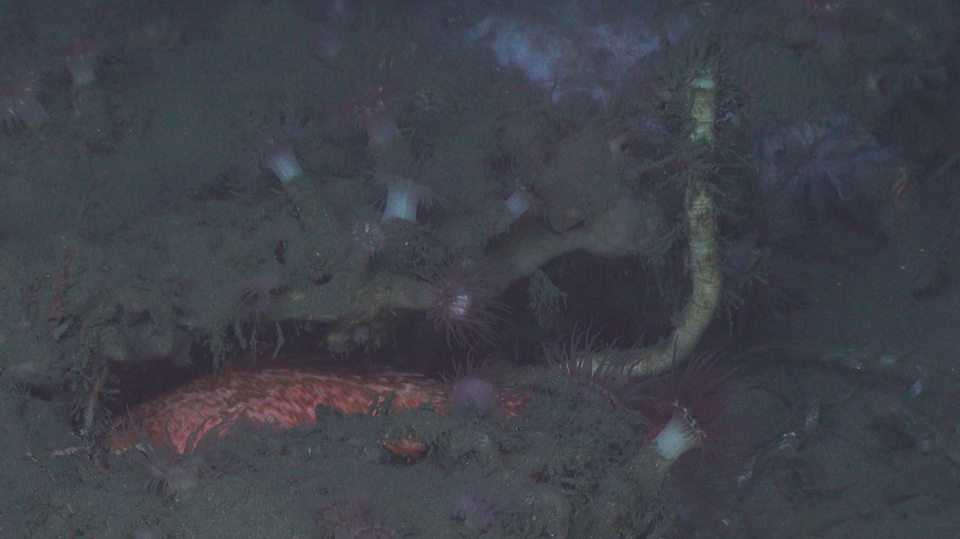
278, 156
687, 403
256, 297
598, 376
460, 304
271, 150
404, 196
685, 407
523, 196
369, 234
18, 100
479, 511
327, 45
473, 391
375, 118
22, 79
83, 58
521, 200
401, 174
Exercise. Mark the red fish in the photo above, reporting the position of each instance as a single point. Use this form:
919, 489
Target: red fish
280, 398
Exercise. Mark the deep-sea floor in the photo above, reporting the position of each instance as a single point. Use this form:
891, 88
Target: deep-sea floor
153, 229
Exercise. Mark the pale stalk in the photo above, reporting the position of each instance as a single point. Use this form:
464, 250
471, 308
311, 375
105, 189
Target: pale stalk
705, 273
